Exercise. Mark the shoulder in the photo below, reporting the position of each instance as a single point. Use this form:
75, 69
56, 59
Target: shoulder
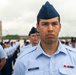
23, 49
1, 48
19, 68
22, 61
71, 52
28, 50
70, 49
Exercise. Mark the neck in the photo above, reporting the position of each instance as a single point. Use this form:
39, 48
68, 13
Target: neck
49, 49
34, 44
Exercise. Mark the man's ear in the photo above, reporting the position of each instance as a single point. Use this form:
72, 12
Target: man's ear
37, 27
60, 26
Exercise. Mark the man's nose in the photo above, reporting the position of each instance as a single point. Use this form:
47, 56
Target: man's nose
50, 27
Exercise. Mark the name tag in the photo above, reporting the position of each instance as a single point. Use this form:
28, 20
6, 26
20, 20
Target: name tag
34, 68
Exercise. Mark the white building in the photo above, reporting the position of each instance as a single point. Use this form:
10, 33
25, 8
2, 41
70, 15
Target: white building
0, 30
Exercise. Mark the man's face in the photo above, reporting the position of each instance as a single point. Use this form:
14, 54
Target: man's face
73, 43
49, 30
34, 39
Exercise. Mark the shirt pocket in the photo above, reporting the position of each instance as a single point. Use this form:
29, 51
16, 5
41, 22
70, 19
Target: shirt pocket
67, 71
34, 73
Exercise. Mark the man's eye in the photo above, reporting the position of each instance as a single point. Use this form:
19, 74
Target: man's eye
45, 24
55, 23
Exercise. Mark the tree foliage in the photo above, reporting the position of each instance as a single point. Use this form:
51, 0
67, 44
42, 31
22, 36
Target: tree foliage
12, 37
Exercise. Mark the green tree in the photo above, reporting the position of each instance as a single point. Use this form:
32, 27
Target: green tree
12, 37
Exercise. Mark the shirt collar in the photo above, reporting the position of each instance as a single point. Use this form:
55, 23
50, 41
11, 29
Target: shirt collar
61, 48
40, 51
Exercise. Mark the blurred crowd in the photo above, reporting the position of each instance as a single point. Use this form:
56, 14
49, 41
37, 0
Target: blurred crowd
70, 43
11, 50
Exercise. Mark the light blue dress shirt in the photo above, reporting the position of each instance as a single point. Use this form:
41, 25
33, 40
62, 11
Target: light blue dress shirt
36, 62
2, 53
24, 48
10, 50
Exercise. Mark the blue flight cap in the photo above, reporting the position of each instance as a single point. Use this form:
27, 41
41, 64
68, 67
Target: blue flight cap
32, 31
47, 11
73, 39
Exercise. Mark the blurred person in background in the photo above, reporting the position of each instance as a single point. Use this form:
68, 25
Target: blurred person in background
73, 42
34, 39
2, 58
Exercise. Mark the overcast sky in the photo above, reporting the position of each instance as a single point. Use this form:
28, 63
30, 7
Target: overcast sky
18, 16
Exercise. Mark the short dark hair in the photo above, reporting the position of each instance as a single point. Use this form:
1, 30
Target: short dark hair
38, 19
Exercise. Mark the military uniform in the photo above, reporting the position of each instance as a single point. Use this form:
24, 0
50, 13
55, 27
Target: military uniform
2, 55
7, 70
24, 48
36, 62
32, 31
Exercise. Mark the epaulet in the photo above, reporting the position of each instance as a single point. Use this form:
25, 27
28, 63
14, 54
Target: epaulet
70, 49
28, 50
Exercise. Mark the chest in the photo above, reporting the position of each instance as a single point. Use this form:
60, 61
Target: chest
50, 66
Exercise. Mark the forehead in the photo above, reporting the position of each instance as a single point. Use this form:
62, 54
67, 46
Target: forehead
33, 34
49, 20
